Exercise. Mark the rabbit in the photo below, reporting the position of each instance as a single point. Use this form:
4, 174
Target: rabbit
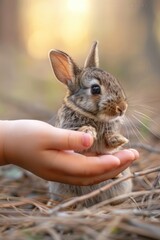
95, 103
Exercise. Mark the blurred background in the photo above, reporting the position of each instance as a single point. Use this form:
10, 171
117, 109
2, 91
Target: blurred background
128, 32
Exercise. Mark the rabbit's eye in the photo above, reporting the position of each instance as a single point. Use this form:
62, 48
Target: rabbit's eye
95, 89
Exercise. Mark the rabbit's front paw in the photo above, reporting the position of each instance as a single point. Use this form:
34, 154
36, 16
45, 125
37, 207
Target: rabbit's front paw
89, 129
116, 141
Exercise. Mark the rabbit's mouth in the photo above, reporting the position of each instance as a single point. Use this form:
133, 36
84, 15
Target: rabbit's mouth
109, 117
110, 110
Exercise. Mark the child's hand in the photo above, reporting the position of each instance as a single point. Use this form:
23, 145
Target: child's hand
48, 152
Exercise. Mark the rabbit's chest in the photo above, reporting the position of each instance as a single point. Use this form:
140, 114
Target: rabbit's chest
69, 119
100, 146
104, 130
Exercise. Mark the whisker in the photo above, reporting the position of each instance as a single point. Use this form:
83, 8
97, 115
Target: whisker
146, 107
126, 129
147, 117
146, 127
137, 100
139, 132
135, 130
144, 115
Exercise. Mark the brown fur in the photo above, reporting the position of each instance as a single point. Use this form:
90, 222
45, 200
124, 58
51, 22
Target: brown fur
99, 114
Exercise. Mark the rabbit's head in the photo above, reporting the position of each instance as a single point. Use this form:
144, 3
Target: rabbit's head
91, 90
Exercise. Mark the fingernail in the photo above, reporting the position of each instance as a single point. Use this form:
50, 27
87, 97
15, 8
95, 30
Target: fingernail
86, 140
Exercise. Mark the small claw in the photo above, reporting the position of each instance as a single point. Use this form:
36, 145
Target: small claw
90, 130
117, 140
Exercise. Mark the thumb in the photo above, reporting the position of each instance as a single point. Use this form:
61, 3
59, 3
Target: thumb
64, 139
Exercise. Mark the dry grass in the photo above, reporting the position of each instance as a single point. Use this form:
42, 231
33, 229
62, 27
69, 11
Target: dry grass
26, 214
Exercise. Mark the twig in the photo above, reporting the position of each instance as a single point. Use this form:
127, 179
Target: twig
123, 197
136, 212
141, 228
76, 200
16, 202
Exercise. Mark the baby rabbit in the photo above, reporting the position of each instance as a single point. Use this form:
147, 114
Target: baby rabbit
95, 103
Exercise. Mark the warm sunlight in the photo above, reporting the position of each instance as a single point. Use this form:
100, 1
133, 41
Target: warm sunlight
38, 44
51, 25
78, 6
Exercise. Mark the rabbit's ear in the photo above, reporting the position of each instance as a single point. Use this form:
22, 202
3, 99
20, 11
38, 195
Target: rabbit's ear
93, 59
63, 66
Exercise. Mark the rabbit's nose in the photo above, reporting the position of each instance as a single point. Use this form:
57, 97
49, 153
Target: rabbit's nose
121, 108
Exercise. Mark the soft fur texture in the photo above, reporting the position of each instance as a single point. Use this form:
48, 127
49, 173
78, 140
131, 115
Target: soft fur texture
99, 113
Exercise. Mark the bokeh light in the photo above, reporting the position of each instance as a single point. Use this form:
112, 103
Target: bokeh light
50, 24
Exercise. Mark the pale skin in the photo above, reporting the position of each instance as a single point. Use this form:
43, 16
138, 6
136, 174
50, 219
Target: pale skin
48, 152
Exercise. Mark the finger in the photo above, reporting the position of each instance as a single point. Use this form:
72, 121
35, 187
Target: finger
84, 181
135, 152
64, 139
72, 180
81, 170
101, 178
127, 155
74, 164
110, 175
